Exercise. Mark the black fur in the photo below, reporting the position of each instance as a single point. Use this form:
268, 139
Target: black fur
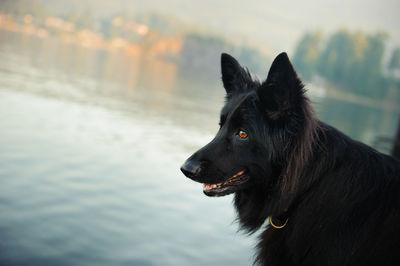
341, 198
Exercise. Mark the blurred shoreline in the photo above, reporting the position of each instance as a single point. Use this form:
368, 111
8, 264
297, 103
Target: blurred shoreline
69, 33
154, 46
159, 37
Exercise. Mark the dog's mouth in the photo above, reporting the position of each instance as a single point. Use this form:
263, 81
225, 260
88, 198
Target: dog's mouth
228, 186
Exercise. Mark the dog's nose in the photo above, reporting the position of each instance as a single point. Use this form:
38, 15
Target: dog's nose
190, 168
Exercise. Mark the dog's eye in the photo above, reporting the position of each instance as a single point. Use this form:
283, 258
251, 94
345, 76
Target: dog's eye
242, 134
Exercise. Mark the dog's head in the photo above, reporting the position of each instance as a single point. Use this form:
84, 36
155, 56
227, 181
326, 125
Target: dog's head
259, 126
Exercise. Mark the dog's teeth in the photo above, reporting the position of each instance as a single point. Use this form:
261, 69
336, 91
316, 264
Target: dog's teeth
209, 186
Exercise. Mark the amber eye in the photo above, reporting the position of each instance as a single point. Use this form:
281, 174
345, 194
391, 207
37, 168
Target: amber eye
242, 134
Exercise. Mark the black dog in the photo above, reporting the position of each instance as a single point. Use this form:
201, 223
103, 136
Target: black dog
329, 200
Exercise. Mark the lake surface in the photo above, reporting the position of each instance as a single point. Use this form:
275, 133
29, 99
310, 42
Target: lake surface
90, 148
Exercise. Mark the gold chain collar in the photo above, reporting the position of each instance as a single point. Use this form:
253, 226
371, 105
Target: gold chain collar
277, 226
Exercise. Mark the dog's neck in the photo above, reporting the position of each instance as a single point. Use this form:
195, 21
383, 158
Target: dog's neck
254, 205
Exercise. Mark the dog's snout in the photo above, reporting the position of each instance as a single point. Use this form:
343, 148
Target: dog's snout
191, 168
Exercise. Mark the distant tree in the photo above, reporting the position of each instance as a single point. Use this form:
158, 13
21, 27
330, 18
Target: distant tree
251, 58
85, 20
72, 17
394, 62
396, 146
20, 8
338, 58
307, 53
106, 27
353, 61
371, 80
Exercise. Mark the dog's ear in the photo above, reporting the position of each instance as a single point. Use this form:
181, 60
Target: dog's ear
283, 91
234, 77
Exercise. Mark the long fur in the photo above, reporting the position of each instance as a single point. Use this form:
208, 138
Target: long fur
341, 198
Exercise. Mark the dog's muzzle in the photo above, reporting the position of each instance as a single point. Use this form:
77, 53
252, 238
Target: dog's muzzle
191, 168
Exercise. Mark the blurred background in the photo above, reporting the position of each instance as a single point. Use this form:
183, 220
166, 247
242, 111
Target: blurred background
102, 101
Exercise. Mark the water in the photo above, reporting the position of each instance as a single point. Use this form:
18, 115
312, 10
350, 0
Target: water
90, 148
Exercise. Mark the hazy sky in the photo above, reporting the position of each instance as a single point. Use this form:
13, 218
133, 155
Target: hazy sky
279, 24
274, 25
